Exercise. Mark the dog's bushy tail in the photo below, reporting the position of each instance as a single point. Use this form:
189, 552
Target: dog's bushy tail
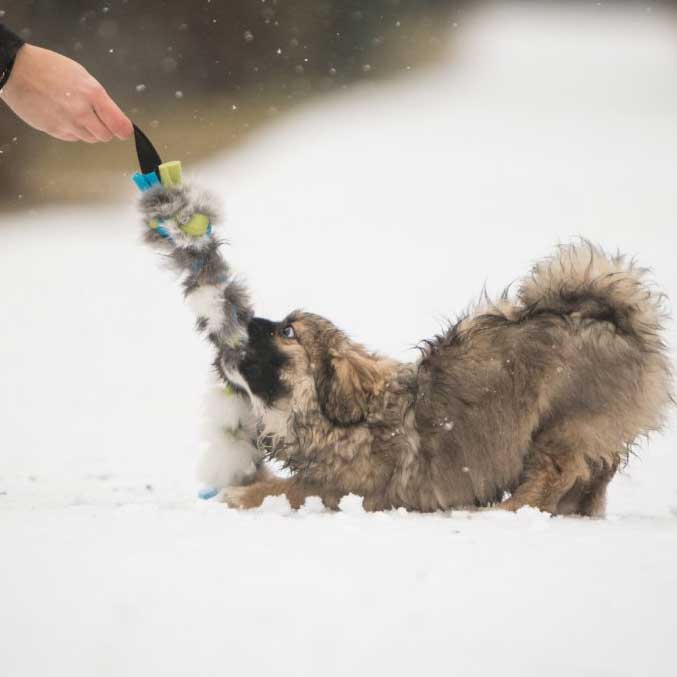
581, 280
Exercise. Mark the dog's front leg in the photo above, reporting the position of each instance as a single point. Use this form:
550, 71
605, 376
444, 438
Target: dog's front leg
253, 495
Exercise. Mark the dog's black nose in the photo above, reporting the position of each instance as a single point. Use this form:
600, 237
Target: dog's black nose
259, 328
263, 361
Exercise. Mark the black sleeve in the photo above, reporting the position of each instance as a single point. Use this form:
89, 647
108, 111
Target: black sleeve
9, 46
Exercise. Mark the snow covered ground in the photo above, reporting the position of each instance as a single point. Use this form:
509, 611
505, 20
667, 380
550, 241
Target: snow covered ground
386, 210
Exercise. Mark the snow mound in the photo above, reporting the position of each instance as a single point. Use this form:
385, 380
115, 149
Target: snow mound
351, 505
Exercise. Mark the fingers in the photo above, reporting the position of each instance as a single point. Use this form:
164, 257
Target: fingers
115, 121
83, 134
93, 127
63, 136
71, 132
85, 127
101, 119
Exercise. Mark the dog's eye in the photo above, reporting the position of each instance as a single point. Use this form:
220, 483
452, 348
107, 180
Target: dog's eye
288, 332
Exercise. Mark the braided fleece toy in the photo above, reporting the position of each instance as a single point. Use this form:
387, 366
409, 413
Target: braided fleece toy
179, 222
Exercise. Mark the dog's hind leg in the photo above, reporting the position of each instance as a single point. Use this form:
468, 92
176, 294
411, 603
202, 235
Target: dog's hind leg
593, 501
542, 485
566, 471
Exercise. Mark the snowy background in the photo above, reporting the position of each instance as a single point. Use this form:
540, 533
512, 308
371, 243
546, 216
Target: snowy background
544, 125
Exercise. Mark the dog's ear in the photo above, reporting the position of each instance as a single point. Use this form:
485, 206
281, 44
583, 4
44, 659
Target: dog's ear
346, 381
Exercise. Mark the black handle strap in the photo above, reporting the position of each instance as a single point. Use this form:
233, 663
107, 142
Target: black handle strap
149, 158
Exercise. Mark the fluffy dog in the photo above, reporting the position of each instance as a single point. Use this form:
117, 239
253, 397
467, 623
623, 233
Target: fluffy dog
541, 397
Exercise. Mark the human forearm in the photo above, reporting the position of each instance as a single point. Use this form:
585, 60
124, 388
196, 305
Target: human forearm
56, 95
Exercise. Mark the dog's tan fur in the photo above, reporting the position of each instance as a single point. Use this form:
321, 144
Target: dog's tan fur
541, 397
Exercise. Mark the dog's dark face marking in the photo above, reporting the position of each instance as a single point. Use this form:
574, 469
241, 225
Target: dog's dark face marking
307, 360
264, 360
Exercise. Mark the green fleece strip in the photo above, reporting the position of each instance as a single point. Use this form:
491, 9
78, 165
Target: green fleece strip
170, 174
197, 225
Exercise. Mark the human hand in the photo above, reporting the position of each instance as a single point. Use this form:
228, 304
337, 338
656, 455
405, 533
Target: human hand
56, 95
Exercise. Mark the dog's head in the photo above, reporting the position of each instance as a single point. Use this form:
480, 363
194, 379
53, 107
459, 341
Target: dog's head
307, 364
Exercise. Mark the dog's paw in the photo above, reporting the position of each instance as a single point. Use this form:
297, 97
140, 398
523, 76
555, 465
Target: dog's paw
252, 495
235, 497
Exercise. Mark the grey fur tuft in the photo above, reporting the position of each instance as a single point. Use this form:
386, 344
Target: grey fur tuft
220, 300
173, 207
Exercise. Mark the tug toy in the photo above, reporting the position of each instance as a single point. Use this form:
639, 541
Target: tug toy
179, 223
154, 172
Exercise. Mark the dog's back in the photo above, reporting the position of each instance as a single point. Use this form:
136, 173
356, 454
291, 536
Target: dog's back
544, 396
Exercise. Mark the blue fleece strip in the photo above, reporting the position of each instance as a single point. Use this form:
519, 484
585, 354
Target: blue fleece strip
145, 181
207, 493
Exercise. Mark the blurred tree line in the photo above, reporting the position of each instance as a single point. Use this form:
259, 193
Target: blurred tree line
207, 71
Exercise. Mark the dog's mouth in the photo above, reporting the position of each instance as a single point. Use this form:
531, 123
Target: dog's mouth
262, 363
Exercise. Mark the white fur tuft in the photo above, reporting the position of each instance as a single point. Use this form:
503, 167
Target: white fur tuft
207, 302
231, 455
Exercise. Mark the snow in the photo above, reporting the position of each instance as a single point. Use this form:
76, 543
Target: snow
386, 210
351, 504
